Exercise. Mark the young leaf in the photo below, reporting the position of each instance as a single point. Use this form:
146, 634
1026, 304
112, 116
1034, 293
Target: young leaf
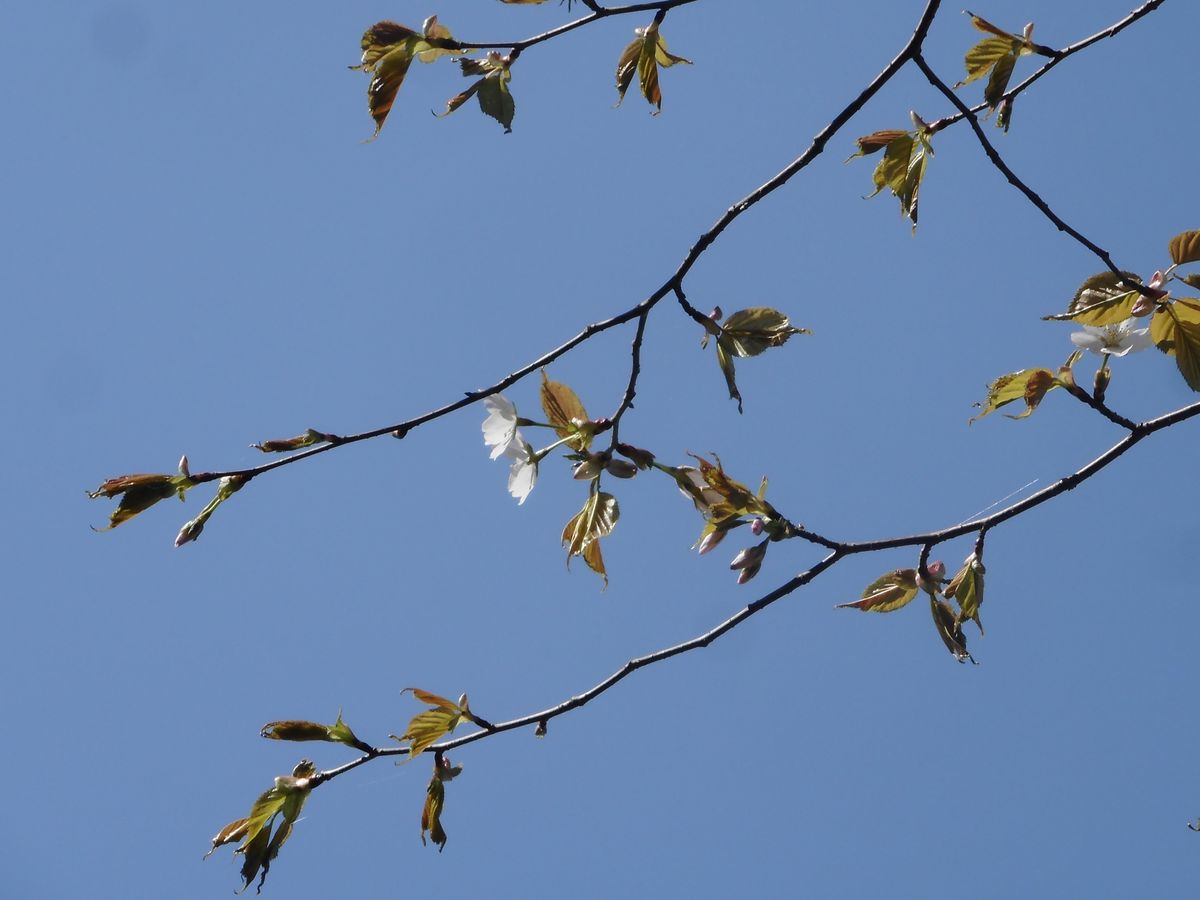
874, 142
749, 332
644, 55
887, 593
431, 812
565, 412
998, 55
259, 847
966, 588
1185, 247
725, 361
427, 727
902, 167
1176, 332
388, 50
581, 535
1191, 280
949, 629
138, 493
1030, 385
491, 90
1101, 300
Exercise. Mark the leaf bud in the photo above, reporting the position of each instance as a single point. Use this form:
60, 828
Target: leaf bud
183, 466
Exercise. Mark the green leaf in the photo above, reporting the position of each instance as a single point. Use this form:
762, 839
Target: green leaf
749, 332
388, 49
966, 588
893, 167
581, 535
998, 83
912, 183
491, 90
565, 412
1176, 332
138, 493
1029, 385
981, 58
725, 361
1185, 248
949, 629
887, 593
644, 55
426, 728
1101, 300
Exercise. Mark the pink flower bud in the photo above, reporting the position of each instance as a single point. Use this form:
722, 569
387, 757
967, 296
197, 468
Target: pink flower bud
709, 541
756, 527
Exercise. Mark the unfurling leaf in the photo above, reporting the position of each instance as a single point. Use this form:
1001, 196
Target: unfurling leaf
1185, 247
581, 535
1191, 280
259, 847
388, 50
949, 629
427, 727
643, 56
138, 493
1175, 330
749, 332
295, 730
565, 412
431, 812
491, 90
876, 141
725, 361
1029, 385
310, 437
966, 588
887, 593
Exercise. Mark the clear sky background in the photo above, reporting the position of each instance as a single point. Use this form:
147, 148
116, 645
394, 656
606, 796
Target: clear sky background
202, 253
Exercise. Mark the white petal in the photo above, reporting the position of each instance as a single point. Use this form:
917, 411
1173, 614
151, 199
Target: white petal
1087, 341
521, 479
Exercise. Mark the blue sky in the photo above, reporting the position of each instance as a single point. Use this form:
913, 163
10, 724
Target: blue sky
204, 254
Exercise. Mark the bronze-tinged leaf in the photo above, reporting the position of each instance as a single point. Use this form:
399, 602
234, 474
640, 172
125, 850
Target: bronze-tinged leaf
138, 493
234, 831
583, 531
1030, 385
737, 499
389, 75
627, 67
431, 813
310, 437
984, 25
644, 55
565, 412
912, 183
875, 141
749, 332
431, 698
887, 593
379, 39
1186, 340
949, 629
1107, 311
1185, 247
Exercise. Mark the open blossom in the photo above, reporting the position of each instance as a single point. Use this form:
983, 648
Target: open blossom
500, 430
1114, 340
522, 473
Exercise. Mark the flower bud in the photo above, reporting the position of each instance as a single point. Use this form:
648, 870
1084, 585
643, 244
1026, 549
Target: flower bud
590, 467
183, 466
937, 573
620, 468
189, 532
756, 527
1100, 384
643, 459
710, 540
749, 561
